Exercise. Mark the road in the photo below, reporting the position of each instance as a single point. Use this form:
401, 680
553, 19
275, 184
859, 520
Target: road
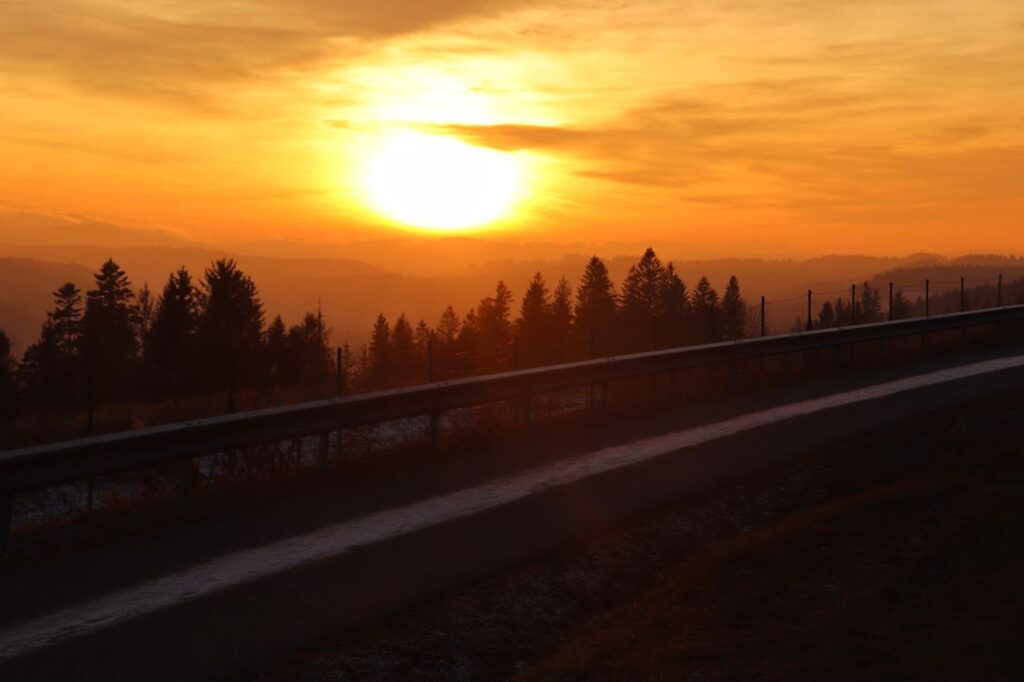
236, 594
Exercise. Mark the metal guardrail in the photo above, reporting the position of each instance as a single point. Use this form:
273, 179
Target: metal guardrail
53, 464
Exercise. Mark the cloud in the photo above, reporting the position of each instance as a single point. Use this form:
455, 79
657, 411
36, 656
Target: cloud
175, 52
515, 137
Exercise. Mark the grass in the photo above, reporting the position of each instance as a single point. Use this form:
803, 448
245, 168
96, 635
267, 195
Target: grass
893, 555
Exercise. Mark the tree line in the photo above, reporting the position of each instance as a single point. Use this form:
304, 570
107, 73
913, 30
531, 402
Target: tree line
114, 343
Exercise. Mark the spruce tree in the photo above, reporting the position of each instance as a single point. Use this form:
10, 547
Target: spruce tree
403, 349
560, 322
532, 326
279, 368
870, 305
379, 369
66, 318
902, 308
595, 312
8, 385
108, 341
706, 315
826, 317
172, 350
640, 302
843, 317
494, 328
230, 325
308, 350
674, 313
446, 343
734, 312
51, 369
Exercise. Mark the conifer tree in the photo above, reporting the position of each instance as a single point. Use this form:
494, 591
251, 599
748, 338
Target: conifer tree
380, 365
446, 343
843, 317
308, 350
66, 318
172, 348
674, 314
640, 302
494, 327
734, 312
8, 384
706, 314
50, 369
280, 368
448, 327
595, 312
826, 317
231, 320
902, 308
870, 309
532, 326
109, 343
560, 322
403, 349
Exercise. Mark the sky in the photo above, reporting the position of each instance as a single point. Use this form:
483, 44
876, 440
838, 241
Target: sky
871, 127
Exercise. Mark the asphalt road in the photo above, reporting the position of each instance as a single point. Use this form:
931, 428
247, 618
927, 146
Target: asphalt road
238, 593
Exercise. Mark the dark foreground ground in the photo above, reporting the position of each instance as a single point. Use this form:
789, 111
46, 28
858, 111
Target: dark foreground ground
894, 555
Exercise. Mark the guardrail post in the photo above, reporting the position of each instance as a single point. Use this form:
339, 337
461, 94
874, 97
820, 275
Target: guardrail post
6, 520
810, 321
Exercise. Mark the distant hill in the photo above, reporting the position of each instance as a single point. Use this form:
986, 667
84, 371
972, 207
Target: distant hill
25, 294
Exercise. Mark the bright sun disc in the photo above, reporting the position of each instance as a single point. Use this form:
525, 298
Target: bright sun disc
440, 183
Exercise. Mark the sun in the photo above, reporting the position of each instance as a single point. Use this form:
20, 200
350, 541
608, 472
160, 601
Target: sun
440, 183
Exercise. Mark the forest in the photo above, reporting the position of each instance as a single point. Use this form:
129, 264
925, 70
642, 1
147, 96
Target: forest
210, 337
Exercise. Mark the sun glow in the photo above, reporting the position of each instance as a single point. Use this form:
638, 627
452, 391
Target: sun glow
440, 183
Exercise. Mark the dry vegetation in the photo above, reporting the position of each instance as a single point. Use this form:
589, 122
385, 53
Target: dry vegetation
897, 554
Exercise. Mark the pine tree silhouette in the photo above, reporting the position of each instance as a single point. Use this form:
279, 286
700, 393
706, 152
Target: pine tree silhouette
596, 310
707, 324
403, 348
171, 347
560, 323
734, 312
674, 315
826, 317
533, 327
380, 365
279, 367
8, 384
108, 340
640, 302
902, 308
230, 325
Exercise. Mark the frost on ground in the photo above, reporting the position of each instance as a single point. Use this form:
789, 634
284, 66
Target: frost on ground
287, 457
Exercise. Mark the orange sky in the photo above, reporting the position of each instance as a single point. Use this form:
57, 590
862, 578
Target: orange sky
872, 126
